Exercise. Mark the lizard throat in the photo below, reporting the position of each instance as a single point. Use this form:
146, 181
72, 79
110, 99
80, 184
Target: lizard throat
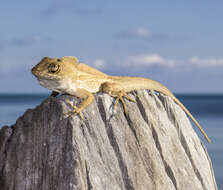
61, 86
47, 83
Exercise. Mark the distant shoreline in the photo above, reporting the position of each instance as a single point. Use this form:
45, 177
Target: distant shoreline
176, 94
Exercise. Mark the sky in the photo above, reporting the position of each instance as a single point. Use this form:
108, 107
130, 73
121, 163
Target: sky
178, 43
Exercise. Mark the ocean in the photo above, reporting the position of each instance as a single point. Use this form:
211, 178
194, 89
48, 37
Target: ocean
207, 109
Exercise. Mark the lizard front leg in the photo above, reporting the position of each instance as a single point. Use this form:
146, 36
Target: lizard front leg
87, 97
116, 90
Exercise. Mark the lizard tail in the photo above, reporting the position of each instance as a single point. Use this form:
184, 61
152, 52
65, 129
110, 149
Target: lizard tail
167, 92
137, 83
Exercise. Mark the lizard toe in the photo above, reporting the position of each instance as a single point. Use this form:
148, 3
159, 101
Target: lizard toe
120, 98
75, 111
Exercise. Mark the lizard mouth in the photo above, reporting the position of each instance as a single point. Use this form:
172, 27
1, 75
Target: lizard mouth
39, 75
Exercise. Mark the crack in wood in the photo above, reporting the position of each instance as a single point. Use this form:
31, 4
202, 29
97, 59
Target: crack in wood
124, 170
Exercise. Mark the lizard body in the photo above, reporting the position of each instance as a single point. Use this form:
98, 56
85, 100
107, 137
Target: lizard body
66, 75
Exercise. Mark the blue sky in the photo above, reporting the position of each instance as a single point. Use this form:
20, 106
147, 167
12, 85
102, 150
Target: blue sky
178, 43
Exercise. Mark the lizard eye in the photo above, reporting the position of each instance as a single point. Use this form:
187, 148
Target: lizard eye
53, 68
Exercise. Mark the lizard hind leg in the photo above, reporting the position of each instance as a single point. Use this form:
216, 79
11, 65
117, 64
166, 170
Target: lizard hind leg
116, 90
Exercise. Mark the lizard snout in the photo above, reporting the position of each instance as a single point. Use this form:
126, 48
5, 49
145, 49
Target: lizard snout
35, 71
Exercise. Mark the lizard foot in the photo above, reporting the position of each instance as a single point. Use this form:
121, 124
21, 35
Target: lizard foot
120, 96
88, 98
116, 90
75, 111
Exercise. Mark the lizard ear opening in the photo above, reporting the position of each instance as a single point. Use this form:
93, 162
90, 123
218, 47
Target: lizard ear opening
70, 59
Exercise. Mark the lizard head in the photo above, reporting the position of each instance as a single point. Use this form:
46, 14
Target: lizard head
55, 68
51, 72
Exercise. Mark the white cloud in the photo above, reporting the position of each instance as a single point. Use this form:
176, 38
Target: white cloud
22, 41
27, 40
149, 59
143, 32
145, 59
137, 33
206, 62
194, 59
69, 6
156, 59
99, 63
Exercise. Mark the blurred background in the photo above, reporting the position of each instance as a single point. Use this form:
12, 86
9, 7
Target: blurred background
178, 43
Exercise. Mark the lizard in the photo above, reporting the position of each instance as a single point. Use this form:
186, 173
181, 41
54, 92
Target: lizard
66, 75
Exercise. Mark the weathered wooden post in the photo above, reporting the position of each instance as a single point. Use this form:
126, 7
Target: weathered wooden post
153, 148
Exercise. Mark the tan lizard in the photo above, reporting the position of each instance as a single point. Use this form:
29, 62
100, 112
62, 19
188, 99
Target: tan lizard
66, 75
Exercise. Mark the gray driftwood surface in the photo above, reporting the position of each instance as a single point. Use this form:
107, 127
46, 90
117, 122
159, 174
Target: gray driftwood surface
153, 148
